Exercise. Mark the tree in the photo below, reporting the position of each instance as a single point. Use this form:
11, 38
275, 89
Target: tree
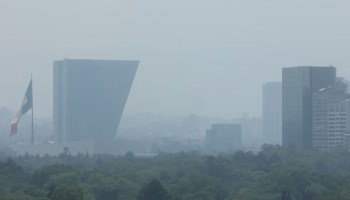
42, 175
154, 190
65, 192
286, 195
107, 193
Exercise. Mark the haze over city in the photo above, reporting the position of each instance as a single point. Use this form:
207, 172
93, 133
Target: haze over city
175, 100
204, 57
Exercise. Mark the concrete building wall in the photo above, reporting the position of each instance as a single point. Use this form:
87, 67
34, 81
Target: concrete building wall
331, 116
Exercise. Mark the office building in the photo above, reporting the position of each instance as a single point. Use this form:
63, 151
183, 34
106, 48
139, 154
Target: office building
330, 117
347, 82
298, 86
272, 113
89, 97
222, 138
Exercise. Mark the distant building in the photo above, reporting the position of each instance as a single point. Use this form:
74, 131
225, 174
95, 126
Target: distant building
298, 86
331, 117
223, 138
347, 82
272, 113
89, 97
251, 131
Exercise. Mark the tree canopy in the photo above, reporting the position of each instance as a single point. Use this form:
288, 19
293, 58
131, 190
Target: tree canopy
273, 173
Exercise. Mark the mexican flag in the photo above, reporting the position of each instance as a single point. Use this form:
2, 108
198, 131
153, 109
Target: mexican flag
27, 104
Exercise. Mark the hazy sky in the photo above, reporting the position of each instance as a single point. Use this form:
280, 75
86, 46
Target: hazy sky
208, 57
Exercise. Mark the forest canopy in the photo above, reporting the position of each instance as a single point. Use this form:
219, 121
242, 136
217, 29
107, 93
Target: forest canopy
273, 173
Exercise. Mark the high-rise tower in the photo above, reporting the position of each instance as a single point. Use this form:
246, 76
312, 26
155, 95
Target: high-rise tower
331, 117
272, 113
298, 86
89, 97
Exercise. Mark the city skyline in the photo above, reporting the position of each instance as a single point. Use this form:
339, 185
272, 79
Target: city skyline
200, 99
191, 53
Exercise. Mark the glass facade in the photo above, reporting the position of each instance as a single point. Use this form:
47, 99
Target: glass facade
89, 97
298, 85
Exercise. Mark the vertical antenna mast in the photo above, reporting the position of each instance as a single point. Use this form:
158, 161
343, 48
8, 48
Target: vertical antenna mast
31, 79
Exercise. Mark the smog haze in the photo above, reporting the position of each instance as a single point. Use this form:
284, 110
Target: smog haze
202, 56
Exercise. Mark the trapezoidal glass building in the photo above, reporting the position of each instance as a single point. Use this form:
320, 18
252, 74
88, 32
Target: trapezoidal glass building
89, 97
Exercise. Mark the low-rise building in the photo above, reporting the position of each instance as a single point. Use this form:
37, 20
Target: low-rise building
222, 138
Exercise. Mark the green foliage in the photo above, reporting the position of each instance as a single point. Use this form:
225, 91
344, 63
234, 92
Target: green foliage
103, 186
67, 178
267, 175
42, 175
64, 192
154, 190
33, 192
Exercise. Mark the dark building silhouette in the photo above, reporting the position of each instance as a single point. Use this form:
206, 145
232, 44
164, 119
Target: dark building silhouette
298, 86
89, 97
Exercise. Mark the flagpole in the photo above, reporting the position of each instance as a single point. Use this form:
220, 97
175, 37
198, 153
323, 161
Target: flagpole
31, 79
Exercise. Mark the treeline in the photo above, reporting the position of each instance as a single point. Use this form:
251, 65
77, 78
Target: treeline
272, 174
